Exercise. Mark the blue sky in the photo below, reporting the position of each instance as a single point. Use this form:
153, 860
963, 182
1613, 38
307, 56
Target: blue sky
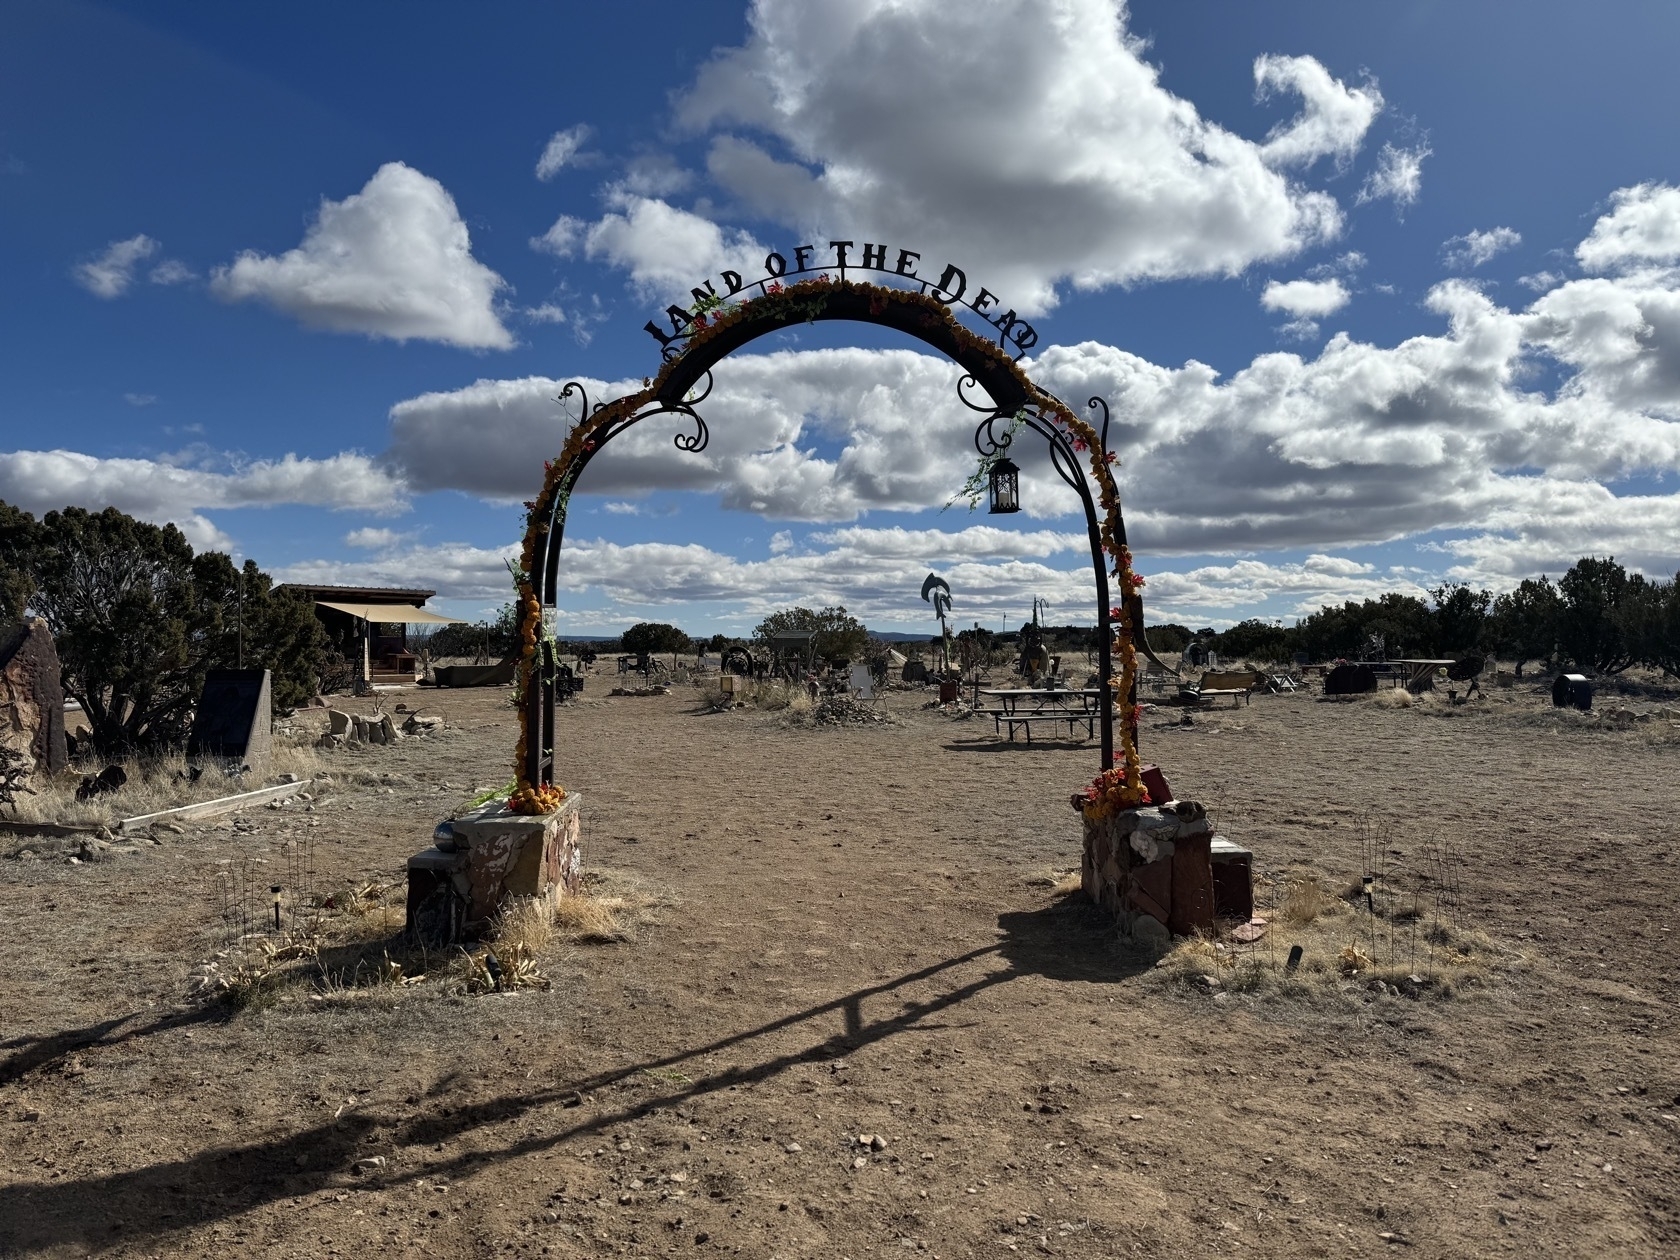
1380, 294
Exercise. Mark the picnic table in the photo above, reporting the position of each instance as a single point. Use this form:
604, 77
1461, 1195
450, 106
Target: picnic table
1021, 707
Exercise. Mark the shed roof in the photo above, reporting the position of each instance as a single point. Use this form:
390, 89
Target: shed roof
412, 596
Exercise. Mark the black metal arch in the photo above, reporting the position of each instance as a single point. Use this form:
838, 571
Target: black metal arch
687, 383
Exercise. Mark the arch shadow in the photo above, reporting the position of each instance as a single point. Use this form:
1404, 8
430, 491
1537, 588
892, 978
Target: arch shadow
1068, 941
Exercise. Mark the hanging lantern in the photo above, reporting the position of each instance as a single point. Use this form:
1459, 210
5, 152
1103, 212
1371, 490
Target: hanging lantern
1005, 486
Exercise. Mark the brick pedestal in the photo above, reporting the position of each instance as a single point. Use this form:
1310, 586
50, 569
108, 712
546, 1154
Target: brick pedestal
486, 857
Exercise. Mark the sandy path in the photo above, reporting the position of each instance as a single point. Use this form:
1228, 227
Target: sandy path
858, 948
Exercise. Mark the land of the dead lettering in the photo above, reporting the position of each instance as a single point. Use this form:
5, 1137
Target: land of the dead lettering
952, 287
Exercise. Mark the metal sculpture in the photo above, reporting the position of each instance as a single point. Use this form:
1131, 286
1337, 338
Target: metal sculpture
937, 591
701, 338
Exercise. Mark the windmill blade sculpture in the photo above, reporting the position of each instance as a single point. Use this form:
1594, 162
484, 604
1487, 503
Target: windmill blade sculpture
937, 591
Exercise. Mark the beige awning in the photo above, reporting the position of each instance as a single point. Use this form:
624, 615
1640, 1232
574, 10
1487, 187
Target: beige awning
400, 614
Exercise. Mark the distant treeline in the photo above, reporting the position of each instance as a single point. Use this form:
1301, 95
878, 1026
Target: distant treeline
1597, 618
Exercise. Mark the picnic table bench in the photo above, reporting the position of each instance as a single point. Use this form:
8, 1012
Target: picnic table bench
1019, 708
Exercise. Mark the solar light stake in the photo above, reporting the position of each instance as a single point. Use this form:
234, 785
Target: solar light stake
275, 889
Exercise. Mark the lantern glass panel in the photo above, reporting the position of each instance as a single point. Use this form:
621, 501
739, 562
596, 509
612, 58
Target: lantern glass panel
1005, 487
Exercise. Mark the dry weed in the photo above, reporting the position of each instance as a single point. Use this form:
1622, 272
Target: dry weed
1400, 948
612, 907
1305, 900
525, 923
155, 783
1062, 885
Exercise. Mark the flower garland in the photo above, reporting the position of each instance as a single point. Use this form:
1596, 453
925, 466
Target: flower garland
808, 299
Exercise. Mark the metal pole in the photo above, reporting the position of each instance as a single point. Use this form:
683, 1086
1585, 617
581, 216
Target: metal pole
242, 619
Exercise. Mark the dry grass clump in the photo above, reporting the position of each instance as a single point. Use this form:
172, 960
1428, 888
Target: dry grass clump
1393, 698
348, 947
525, 923
1059, 883
612, 907
155, 782
773, 695
1305, 900
1402, 947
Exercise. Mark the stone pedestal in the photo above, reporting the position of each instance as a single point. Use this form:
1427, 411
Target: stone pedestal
1153, 867
486, 857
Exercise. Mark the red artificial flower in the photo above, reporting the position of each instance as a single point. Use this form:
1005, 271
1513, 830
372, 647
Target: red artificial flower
1079, 444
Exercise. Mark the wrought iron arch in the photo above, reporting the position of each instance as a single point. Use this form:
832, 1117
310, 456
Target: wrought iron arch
685, 381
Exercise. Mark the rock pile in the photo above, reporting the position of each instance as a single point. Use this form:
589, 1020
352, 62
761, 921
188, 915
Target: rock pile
841, 711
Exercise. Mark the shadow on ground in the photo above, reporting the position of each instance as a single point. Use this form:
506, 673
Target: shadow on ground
1068, 942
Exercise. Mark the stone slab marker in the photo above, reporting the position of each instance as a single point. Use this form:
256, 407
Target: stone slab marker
235, 719
32, 696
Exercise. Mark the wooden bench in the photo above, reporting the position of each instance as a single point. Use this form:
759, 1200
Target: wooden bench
1237, 684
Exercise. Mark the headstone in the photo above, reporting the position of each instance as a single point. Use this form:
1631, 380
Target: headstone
31, 696
235, 719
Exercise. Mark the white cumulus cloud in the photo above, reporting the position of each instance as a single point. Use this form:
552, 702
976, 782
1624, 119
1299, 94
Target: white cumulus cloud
562, 147
172, 271
161, 490
1334, 117
1398, 176
393, 260
110, 274
1310, 298
883, 120
1475, 248
1642, 229
664, 249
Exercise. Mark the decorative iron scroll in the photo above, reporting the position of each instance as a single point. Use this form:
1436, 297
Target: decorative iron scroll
718, 328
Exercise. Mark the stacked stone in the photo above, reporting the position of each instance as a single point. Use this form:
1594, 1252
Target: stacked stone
353, 728
1153, 868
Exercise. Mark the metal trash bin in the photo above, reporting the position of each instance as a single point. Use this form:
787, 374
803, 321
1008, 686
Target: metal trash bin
1572, 691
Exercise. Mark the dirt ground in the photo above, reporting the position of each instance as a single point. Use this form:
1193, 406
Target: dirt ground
862, 939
